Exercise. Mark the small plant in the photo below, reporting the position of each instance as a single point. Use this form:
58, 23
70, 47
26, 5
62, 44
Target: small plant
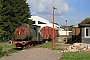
3, 52
6, 49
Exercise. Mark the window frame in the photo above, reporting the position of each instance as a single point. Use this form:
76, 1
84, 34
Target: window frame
87, 29
39, 22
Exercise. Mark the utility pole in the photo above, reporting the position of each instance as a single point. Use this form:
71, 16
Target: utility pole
66, 31
53, 27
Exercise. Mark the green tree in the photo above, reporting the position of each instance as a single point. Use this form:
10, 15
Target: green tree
86, 21
13, 14
1, 31
0, 8
69, 27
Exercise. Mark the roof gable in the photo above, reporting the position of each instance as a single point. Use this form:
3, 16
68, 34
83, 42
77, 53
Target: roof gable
37, 18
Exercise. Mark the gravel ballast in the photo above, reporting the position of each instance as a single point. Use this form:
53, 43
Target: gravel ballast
34, 54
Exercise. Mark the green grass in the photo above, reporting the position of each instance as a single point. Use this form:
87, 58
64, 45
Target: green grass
65, 36
49, 45
75, 56
44, 45
6, 49
62, 35
2, 52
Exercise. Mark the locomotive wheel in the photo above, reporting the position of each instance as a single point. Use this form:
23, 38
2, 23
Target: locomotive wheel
31, 44
34, 44
27, 45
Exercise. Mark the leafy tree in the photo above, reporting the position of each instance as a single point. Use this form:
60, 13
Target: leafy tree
56, 23
69, 28
0, 9
13, 14
86, 21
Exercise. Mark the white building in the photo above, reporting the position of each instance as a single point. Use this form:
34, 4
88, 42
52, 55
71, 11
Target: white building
42, 22
64, 32
38, 20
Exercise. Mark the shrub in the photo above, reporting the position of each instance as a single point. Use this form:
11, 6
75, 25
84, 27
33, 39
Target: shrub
3, 52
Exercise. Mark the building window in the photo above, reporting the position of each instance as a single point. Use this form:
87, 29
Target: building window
33, 22
41, 22
87, 32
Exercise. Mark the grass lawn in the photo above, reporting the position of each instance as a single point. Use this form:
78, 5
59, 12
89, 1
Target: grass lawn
49, 45
75, 56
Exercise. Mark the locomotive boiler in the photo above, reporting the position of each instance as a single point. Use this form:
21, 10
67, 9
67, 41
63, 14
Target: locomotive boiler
22, 33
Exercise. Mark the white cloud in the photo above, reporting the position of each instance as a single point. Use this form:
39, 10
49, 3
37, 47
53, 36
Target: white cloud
45, 6
72, 10
61, 17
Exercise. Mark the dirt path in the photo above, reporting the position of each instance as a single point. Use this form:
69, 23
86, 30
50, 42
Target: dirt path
34, 54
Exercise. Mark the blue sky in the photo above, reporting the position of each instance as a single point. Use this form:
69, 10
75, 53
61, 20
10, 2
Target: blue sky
74, 11
81, 11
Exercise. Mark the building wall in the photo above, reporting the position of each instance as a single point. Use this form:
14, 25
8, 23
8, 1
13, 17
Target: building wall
64, 32
75, 31
84, 38
76, 37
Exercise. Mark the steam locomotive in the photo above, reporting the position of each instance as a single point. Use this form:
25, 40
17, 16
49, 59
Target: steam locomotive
30, 35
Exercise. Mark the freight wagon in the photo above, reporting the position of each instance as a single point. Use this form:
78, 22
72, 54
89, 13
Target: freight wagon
47, 32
